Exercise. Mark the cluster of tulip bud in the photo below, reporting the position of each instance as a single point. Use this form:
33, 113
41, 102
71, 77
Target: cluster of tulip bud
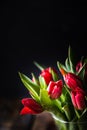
50, 92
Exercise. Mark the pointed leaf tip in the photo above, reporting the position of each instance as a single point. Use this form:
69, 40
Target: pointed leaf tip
38, 66
61, 68
19, 73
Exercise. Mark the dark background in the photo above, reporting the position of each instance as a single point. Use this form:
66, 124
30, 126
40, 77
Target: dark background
38, 31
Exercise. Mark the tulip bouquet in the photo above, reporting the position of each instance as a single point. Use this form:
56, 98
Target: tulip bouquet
64, 97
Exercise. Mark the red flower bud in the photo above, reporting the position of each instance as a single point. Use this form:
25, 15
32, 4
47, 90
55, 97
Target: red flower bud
47, 75
55, 89
30, 106
78, 66
72, 81
78, 100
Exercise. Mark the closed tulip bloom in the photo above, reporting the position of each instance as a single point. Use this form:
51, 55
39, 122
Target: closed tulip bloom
78, 100
80, 90
46, 74
30, 106
78, 66
55, 89
72, 81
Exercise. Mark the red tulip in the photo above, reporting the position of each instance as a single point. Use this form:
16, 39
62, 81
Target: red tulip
78, 66
30, 106
55, 89
78, 100
46, 73
72, 81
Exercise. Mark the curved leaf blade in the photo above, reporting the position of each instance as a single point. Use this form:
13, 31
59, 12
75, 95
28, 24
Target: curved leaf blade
28, 83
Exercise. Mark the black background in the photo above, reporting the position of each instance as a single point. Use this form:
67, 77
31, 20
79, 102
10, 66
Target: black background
38, 31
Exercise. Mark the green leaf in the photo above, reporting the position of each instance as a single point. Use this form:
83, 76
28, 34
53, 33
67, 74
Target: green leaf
85, 60
71, 59
67, 111
61, 66
39, 66
77, 113
81, 72
54, 75
67, 64
50, 106
82, 59
83, 117
35, 79
45, 100
64, 95
58, 104
42, 82
28, 83
67, 89
34, 96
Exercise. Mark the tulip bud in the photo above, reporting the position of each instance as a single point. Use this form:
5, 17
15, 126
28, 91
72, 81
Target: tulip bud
72, 80
31, 106
55, 89
78, 66
78, 100
46, 73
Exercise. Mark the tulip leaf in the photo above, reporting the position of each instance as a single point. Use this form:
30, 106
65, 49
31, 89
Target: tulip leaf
30, 85
46, 102
42, 82
67, 64
83, 117
85, 60
81, 72
67, 109
54, 75
71, 59
58, 104
35, 79
38, 66
61, 67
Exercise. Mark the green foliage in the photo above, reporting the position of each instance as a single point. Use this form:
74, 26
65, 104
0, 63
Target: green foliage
30, 85
38, 66
54, 75
42, 82
81, 72
45, 100
62, 107
67, 64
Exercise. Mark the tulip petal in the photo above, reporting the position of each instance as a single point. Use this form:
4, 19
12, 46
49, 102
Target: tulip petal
72, 81
56, 92
80, 99
73, 99
55, 89
32, 104
26, 110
